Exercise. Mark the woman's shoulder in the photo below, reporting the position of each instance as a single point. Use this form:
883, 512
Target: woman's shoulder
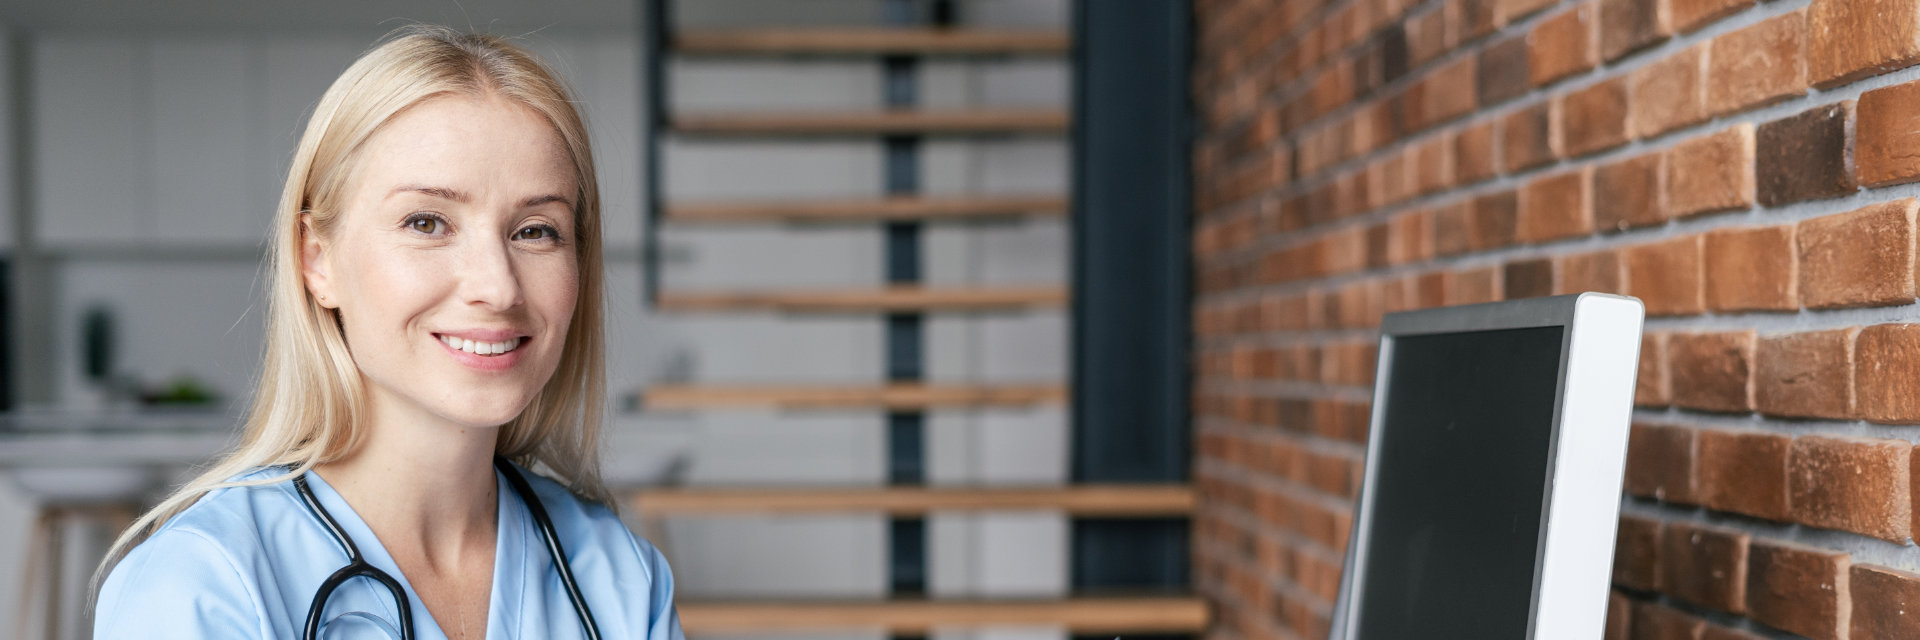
585, 525
198, 564
234, 514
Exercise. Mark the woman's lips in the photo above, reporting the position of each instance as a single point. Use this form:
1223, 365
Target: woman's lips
484, 355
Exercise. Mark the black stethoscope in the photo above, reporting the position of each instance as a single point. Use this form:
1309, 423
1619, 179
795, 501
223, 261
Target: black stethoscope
357, 566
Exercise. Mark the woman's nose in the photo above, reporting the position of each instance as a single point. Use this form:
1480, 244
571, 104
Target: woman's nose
487, 275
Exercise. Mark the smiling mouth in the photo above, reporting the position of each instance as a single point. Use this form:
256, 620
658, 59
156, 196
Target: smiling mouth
482, 348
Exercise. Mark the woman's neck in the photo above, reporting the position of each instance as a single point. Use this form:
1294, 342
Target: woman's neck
425, 486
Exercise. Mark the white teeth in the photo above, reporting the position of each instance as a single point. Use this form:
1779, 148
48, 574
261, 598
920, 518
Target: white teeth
480, 348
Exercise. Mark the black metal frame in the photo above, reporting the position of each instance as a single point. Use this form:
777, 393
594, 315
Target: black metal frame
657, 34
1131, 200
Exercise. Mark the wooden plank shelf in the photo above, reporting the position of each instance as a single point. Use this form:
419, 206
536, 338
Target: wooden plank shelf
892, 397
924, 209
1079, 615
871, 41
1087, 500
885, 299
885, 122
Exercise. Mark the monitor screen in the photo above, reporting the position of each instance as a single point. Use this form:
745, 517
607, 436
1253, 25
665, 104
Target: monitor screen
1495, 459
1461, 484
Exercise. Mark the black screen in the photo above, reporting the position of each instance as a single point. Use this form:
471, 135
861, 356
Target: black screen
1459, 485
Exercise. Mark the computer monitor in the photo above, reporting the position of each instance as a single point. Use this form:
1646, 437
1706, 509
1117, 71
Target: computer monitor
1493, 474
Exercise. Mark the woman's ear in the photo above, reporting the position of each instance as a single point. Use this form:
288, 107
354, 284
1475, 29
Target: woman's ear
313, 264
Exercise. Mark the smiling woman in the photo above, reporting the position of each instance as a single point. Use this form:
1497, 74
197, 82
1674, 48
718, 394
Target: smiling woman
434, 330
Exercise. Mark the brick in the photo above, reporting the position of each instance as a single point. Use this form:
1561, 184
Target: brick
1636, 553
1743, 472
1799, 589
1474, 158
1803, 157
1693, 14
1706, 566
1761, 64
1884, 600
1511, 10
1453, 229
1478, 18
1852, 484
1594, 118
1859, 258
1528, 278
1563, 45
1651, 387
1473, 286
1434, 164
1409, 238
1751, 269
1886, 130
1660, 463
1495, 220
1627, 26
1555, 207
1619, 617
1444, 94
1717, 632
1503, 70
1711, 173
1530, 137
1654, 621
1851, 39
1636, 192
1666, 275
1712, 371
1599, 271
1429, 35
1805, 375
1667, 94
1886, 361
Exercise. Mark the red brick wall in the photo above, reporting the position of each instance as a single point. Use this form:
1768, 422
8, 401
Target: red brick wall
1744, 168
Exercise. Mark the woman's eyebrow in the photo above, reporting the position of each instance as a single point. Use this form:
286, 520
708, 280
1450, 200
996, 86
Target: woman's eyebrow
437, 192
540, 200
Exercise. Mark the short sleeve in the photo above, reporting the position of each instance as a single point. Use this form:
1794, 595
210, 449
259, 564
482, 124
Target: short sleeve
663, 621
178, 584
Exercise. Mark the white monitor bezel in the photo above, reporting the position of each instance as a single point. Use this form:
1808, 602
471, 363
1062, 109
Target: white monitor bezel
1599, 360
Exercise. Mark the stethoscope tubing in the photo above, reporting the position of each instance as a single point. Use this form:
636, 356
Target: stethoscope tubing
357, 565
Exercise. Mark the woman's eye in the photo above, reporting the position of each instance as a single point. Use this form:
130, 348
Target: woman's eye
538, 232
426, 223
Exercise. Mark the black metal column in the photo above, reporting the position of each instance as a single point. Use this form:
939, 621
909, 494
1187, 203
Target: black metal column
905, 334
1130, 299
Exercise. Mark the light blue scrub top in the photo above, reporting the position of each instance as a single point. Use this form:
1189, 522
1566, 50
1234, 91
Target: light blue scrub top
245, 562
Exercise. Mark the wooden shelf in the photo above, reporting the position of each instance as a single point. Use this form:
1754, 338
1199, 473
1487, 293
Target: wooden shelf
887, 299
1085, 615
891, 397
856, 41
1113, 501
927, 122
862, 210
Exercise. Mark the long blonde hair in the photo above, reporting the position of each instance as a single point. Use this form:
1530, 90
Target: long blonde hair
309, 405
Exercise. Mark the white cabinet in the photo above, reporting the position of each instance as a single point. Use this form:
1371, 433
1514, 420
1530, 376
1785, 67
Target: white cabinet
170, 141
202, 114
90, 168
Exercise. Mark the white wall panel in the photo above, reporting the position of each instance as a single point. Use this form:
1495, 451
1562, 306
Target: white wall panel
90, 143
203, 100
710, 168
701, 85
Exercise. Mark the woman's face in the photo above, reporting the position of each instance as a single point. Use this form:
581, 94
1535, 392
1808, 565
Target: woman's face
452, 261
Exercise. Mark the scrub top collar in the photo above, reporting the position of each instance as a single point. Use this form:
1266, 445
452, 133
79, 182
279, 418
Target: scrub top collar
509, 559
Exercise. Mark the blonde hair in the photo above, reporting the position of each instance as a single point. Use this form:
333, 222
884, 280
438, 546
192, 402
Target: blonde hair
309, 405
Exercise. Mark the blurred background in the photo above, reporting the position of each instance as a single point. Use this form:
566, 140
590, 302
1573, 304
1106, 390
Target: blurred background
839, 267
